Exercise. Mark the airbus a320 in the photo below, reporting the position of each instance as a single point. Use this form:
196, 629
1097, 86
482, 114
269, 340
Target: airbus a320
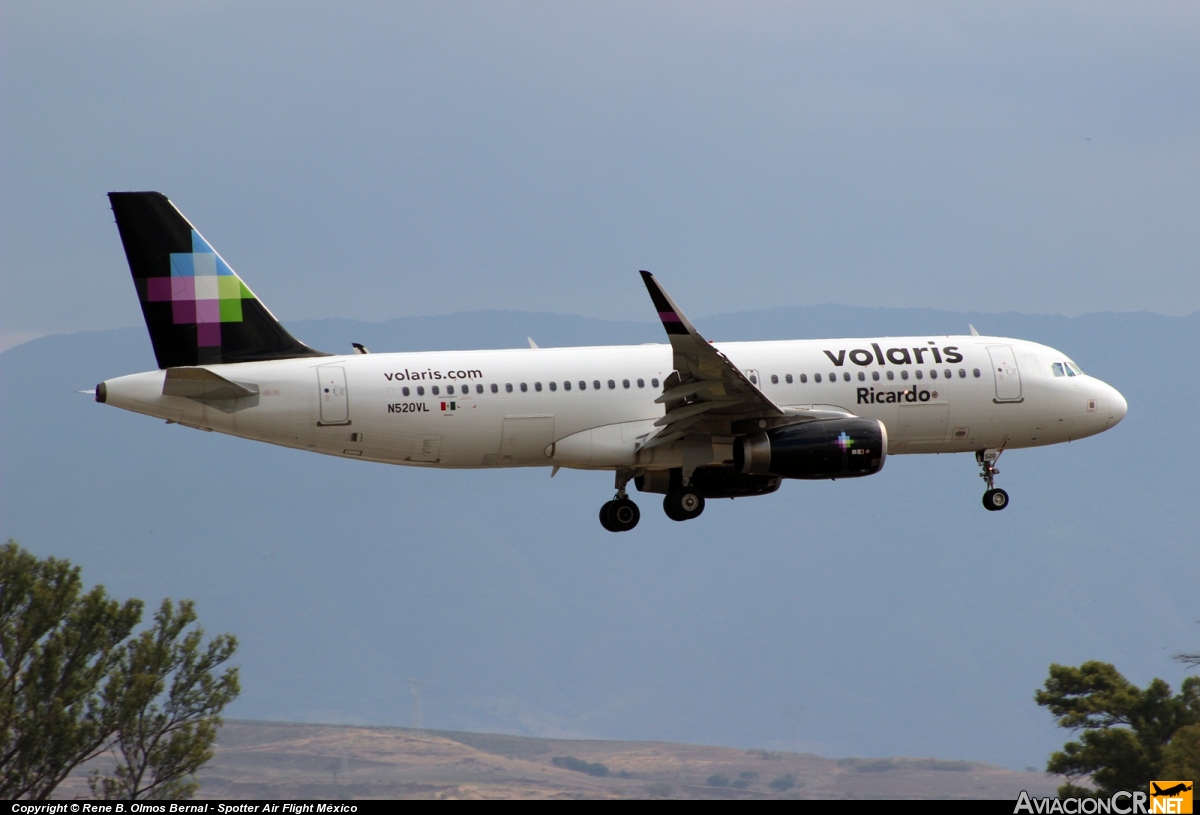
690, 420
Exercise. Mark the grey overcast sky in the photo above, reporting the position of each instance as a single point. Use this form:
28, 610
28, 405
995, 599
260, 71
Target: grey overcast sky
374, 160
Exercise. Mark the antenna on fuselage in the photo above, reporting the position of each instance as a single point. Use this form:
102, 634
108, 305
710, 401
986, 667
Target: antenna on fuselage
974, 333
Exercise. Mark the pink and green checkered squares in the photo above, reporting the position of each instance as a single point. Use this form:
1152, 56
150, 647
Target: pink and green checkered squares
202, 290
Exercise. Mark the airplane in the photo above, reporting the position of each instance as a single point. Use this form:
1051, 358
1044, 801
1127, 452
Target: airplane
1170, 792
690, 420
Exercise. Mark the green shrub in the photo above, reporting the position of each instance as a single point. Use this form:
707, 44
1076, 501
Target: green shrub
579, 765
783, 783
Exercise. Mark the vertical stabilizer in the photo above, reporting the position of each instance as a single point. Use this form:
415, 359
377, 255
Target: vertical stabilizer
198, 311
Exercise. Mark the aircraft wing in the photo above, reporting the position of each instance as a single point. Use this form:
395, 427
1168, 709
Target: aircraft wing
705, 384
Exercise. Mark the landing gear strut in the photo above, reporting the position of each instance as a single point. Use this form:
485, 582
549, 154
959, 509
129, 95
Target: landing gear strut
620, 514
993, 499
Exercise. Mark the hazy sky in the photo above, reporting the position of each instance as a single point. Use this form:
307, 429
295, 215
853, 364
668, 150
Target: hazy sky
375, 160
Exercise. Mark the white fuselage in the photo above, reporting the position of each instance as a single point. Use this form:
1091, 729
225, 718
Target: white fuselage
510, 408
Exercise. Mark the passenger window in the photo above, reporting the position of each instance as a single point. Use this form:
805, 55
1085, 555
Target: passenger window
524, 388
612, 385
846, 376
566, 384
816, 377
508, 387
788, 379
891, 375
949, 374
862, 377
641, 383
479, 388
875, 375
435, 390
495, 388
1058, 369
753, 379
833, 377
962, 373
803, 379
654, 383
774, 379
904, 375
919, 374
404, 391
420, 390
450, 389
553, 386
976, 372
596, 384
537, 386
933, 374
625, 384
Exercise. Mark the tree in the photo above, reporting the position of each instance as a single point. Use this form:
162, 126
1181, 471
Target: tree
73, 685
1181, 758
161, 745
1126, 730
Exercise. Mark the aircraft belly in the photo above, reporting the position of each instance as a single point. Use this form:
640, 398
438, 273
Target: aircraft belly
611, 445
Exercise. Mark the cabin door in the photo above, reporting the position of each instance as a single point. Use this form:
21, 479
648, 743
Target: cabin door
1004, 369
331, 389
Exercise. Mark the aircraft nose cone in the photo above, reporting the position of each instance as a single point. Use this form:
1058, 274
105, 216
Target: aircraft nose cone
1117, 406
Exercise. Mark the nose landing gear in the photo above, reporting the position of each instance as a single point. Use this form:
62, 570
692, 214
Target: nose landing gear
620, 514
993, 499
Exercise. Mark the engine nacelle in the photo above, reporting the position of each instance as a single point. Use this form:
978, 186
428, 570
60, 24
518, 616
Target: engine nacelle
827, 448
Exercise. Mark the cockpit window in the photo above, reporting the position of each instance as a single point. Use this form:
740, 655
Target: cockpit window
1073, 369
1058, 369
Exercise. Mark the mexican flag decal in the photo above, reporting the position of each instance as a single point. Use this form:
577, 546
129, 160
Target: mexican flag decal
449, 405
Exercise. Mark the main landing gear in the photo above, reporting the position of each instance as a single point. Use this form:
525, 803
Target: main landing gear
993, 499
683, 504
620, 514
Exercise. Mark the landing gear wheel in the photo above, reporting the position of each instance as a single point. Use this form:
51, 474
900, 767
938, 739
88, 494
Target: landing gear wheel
605, 518
624, 515
994, 500
683, 504
619, 515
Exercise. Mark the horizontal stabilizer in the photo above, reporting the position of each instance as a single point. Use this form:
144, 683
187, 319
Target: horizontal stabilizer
203, 385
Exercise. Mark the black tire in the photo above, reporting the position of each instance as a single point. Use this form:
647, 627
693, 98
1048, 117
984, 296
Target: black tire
683, 504
623, 515
995, 500
606, 516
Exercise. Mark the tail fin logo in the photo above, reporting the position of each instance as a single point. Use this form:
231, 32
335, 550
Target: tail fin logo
202, 290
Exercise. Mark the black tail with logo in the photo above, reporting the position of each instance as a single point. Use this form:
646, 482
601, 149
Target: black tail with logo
198, 311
